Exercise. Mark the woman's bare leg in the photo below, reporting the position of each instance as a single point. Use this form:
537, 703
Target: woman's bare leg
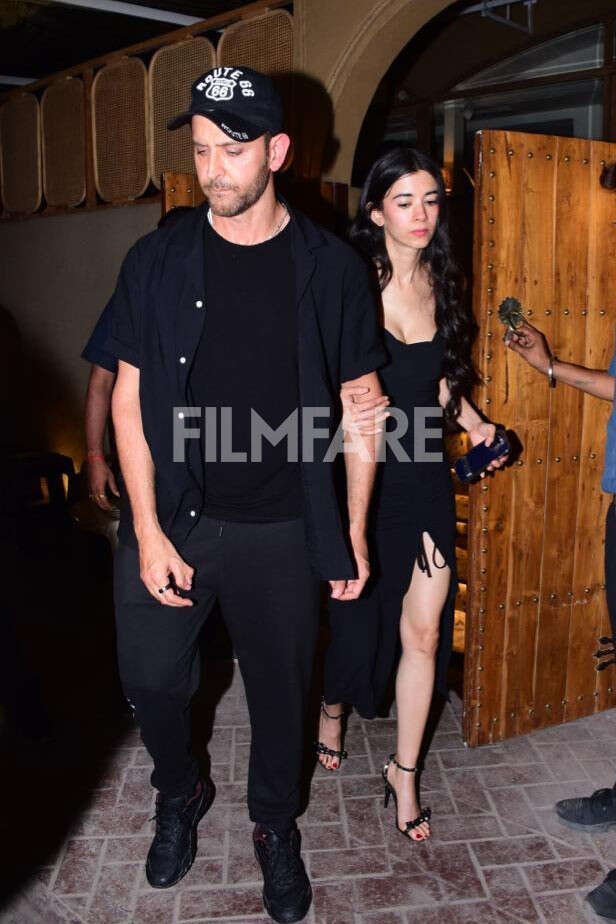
419, 632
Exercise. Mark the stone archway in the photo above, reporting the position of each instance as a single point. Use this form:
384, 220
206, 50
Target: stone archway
349, 48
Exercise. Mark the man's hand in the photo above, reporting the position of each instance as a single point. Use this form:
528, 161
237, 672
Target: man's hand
100, 478
159, 563
531, 344
361, 410
351, 590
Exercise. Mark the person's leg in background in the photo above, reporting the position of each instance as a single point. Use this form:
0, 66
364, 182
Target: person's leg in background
269, 599
597, 812
159, 667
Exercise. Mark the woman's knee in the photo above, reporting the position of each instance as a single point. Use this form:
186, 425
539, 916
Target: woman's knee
420, 639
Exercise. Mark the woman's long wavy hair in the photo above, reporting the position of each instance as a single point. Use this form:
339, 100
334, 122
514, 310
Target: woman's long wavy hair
454, 320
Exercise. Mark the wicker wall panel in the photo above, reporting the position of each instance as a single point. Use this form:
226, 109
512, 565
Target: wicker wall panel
119, 130
21, 154
172, 71
63, 143
264, 43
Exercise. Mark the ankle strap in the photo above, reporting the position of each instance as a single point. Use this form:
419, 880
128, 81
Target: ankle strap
392, 758
329, 716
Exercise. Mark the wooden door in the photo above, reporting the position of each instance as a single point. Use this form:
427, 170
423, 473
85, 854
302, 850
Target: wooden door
545, 233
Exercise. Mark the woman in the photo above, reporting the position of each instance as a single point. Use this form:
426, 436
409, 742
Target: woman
401, 227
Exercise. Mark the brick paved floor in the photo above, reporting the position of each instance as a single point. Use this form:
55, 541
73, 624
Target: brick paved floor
497, 854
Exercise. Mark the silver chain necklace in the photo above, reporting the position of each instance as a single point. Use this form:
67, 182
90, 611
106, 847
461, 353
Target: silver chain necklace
276, 230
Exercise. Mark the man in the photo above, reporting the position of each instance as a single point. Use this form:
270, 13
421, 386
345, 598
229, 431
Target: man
598, 811
246, 306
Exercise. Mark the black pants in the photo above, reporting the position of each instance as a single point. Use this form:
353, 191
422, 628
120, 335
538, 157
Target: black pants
610, 564
268, 596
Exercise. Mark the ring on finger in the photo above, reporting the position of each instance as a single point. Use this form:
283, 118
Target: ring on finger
161, 590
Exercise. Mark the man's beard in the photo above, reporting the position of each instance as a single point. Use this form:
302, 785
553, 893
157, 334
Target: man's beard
240, 201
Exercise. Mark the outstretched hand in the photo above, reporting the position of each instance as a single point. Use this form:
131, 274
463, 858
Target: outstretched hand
530, 343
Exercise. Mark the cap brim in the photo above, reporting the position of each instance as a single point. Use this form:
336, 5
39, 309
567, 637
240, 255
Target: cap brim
235, 127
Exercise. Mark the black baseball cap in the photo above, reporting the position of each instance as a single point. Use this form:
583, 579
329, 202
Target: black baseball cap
242, 102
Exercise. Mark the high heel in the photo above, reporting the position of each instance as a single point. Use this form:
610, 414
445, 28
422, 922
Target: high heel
321, 748
424, 814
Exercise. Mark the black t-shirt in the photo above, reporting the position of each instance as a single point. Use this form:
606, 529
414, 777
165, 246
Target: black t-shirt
247, 359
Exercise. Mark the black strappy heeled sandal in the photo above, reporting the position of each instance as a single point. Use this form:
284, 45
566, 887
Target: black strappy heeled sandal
321, 748
424, 814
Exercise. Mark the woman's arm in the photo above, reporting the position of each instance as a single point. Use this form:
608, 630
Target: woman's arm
479, 430
468, 418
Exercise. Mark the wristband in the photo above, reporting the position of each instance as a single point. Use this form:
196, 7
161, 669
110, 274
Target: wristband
95, 454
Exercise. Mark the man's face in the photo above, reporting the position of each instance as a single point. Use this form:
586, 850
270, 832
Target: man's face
233, 175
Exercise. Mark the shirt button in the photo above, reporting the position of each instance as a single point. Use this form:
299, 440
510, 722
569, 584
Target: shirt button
199, 304
182, 359
181, 415
193, 513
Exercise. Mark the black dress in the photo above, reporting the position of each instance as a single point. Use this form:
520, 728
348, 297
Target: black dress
410, 498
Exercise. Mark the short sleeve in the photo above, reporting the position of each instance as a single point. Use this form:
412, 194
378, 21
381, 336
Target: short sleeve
95, 350
361, 347
124, 341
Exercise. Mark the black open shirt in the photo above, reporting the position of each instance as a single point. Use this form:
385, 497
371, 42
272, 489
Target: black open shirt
158, 310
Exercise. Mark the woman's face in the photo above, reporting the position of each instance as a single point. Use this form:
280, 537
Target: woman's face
410, 210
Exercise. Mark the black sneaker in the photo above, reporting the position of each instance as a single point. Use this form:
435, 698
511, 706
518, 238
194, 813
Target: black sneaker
590, 813
602, 900
287, 893
175, 843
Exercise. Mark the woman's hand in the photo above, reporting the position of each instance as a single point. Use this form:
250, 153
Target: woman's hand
484, 433
531, 344
362, 412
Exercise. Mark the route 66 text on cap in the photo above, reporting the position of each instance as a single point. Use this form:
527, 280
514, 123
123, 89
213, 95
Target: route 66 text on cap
241, 101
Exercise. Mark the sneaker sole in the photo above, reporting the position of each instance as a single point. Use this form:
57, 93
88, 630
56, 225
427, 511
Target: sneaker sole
288, 919
601, 826
208, 798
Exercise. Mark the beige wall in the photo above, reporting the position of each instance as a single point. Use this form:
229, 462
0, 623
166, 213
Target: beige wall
349, 45
56, 275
